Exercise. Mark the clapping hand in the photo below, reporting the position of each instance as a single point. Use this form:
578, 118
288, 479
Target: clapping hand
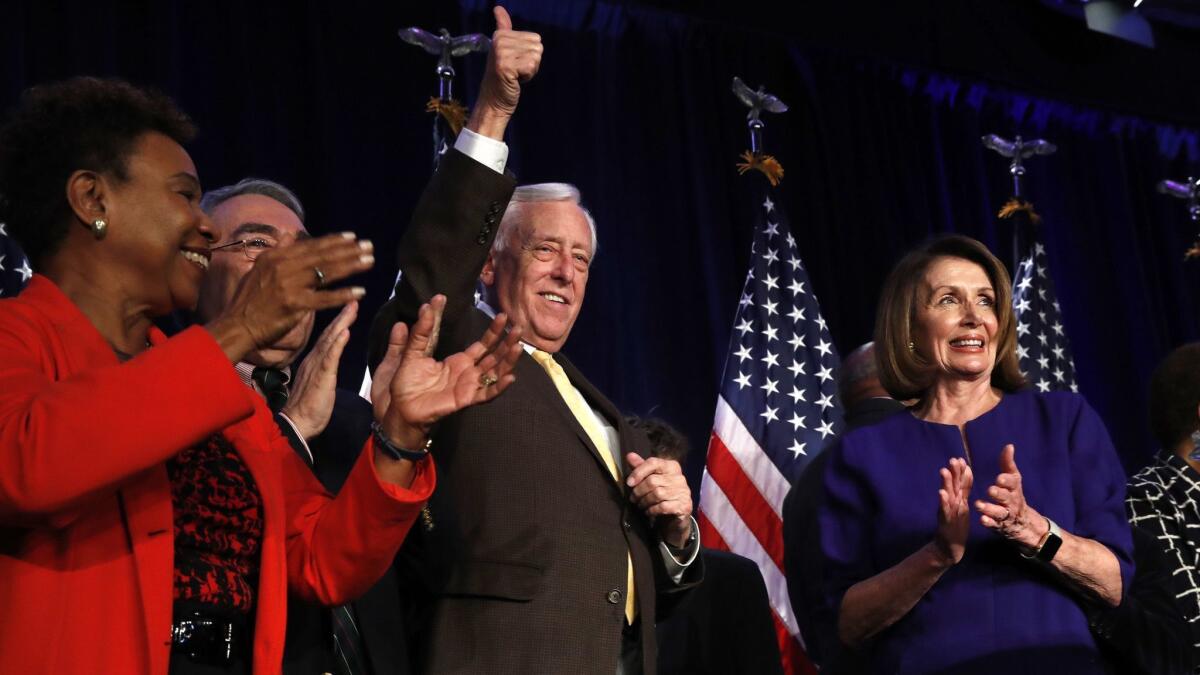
314, 388
1007, 513
954, 513
284, 286
412, 390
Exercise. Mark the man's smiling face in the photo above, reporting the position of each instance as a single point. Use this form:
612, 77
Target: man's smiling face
539, 278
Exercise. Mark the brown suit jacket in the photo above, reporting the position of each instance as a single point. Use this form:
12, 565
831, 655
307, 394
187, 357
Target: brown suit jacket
523, 567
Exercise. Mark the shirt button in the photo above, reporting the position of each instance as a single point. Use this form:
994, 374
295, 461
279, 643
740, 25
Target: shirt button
614, 596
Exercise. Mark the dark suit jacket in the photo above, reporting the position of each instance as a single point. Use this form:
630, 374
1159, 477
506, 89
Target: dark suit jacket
721, 626
524, 570
309, 648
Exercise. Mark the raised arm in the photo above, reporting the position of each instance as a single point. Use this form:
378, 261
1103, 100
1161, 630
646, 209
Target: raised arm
452, 229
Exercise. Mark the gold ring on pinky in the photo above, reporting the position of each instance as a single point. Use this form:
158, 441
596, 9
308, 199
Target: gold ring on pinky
487, 380
320, 276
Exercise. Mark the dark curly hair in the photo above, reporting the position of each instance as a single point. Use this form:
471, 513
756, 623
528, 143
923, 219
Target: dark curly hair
57, 129
1175, 396
667, 441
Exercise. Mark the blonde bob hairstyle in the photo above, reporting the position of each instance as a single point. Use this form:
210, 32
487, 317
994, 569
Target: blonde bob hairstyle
904, 372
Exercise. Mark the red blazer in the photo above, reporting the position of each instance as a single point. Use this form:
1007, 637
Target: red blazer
86, 550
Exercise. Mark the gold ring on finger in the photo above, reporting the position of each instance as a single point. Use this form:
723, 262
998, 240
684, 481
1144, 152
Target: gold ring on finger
487, 379
320, 276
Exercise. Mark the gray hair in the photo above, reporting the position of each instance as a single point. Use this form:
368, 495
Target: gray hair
253, 186
542, 192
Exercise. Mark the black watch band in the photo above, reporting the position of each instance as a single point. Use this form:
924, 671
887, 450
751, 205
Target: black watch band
394, 451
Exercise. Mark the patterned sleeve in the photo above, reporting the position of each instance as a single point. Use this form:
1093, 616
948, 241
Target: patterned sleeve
1152, 510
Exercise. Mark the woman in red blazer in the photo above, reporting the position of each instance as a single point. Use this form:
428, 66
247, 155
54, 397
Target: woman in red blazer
152, 519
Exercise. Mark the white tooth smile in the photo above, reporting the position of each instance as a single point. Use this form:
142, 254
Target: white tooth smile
196, 258
554, 297
972, 342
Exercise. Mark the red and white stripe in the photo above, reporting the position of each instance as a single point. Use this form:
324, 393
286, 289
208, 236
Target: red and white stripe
741, 506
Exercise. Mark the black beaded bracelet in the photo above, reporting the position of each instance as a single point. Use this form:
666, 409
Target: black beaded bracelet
395, 451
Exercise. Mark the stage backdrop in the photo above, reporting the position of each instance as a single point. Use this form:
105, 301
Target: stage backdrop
632, 104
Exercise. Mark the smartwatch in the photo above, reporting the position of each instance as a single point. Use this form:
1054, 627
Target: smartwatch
1049, 545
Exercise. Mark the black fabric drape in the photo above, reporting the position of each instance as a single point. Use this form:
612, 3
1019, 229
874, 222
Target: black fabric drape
633, 105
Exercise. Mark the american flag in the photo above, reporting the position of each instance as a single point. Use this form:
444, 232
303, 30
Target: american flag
14, 266
777, 408
1042, 346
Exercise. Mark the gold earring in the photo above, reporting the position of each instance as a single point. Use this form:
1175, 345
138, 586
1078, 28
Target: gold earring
911, 346
99, 228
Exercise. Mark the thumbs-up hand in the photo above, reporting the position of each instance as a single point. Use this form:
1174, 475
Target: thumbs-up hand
1006, 513
514, 59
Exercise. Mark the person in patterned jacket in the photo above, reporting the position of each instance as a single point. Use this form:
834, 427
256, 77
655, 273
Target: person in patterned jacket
1163, 499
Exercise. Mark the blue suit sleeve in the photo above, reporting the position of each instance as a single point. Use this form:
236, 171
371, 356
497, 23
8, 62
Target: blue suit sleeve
845, 520
1098, 485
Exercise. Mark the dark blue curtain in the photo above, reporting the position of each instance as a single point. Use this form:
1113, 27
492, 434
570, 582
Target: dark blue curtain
633, 105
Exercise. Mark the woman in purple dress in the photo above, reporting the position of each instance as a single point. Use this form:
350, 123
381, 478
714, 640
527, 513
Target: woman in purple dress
964, 534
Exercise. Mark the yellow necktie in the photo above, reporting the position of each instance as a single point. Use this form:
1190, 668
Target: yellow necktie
583, 413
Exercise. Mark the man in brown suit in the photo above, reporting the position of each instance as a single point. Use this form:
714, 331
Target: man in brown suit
545, 508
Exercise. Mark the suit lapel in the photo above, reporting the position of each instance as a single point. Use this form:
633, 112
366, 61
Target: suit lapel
530, 371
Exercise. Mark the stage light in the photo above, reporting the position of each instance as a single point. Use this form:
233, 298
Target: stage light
1119, 20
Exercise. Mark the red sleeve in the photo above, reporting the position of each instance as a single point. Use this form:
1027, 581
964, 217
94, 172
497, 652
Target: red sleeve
64, 440
337, 548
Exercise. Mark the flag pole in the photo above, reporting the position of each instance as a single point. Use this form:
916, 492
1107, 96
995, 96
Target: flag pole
1043, 348
777, 405
1017, 150
1189, 190
446, 47
756, 158
444, 106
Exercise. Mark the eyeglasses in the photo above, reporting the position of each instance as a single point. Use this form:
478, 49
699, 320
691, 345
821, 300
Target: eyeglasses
546, 252
252, 248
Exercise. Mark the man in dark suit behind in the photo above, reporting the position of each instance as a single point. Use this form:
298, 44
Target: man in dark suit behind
545, 510
325, 426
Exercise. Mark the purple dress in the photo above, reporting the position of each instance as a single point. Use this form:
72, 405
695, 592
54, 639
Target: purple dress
995, 611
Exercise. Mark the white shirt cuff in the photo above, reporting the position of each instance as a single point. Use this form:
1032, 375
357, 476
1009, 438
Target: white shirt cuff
487, 151
303, 440
676, 567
